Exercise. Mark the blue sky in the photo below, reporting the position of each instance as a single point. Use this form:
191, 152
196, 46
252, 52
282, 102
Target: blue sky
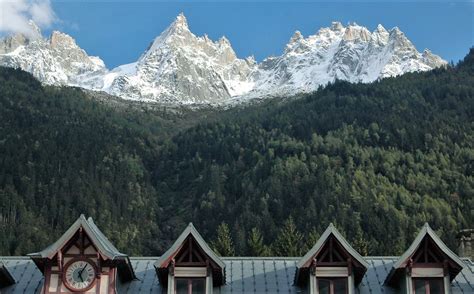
119, 31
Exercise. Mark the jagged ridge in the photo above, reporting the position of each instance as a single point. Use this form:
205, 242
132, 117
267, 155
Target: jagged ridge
181, 68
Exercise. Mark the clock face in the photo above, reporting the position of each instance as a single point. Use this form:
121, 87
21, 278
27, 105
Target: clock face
79, 275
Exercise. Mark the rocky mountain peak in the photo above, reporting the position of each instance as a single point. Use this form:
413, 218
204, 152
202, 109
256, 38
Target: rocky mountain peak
380, 35
432, 60
55, 61
350, 53
62, 40
181, 21
180, 67
296, 43
337, 26
355, 32
380, 29
399, 39
297, 36
251, 61
397, 34
179, 26
176, 35
224, 42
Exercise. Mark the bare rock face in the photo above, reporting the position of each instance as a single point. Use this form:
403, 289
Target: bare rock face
181, 68
10, 43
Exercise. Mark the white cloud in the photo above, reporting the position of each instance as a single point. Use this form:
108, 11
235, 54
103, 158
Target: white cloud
15, 15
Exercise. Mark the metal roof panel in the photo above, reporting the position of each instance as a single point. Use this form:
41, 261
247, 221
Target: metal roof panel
244, 275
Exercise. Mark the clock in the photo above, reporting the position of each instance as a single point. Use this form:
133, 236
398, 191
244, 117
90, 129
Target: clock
79, 274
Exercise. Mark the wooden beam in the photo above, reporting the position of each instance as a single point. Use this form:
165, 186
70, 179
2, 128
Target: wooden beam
190, 250
349, 266
330, 250
186, 263
426, 250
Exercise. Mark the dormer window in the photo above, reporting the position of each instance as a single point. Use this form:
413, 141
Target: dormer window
332, 266
428, 286
190, 269
427, 267
190, 285
332, 286
190, 266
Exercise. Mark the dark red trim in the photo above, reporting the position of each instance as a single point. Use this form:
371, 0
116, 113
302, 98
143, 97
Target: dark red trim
428, 265
74, 255
47, 278
112, 277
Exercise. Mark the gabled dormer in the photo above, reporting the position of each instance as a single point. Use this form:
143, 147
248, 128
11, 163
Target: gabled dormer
332, 266
190, 266
427, 267
82, 260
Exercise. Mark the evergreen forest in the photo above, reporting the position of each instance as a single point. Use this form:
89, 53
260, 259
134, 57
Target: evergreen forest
377, 160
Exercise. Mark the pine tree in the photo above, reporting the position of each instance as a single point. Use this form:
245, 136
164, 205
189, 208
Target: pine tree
360, 244
289, 241
223, 245
313, 237
255, 244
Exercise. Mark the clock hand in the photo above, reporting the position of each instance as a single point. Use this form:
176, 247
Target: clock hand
80, 273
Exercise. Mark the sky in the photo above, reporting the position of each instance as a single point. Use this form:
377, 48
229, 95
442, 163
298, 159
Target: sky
120, 31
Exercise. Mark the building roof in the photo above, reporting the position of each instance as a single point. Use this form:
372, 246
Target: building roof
6, 278
426, 231
103, 245
244, 275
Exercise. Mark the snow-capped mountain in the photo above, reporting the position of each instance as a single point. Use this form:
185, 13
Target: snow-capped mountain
55, 61
181, 68
350, 53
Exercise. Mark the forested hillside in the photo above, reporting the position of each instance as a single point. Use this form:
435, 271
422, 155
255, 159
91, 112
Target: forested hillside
63, 154
377, 159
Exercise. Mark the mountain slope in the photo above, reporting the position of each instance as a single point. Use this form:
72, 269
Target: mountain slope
377, 159
62, 152
181, 68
